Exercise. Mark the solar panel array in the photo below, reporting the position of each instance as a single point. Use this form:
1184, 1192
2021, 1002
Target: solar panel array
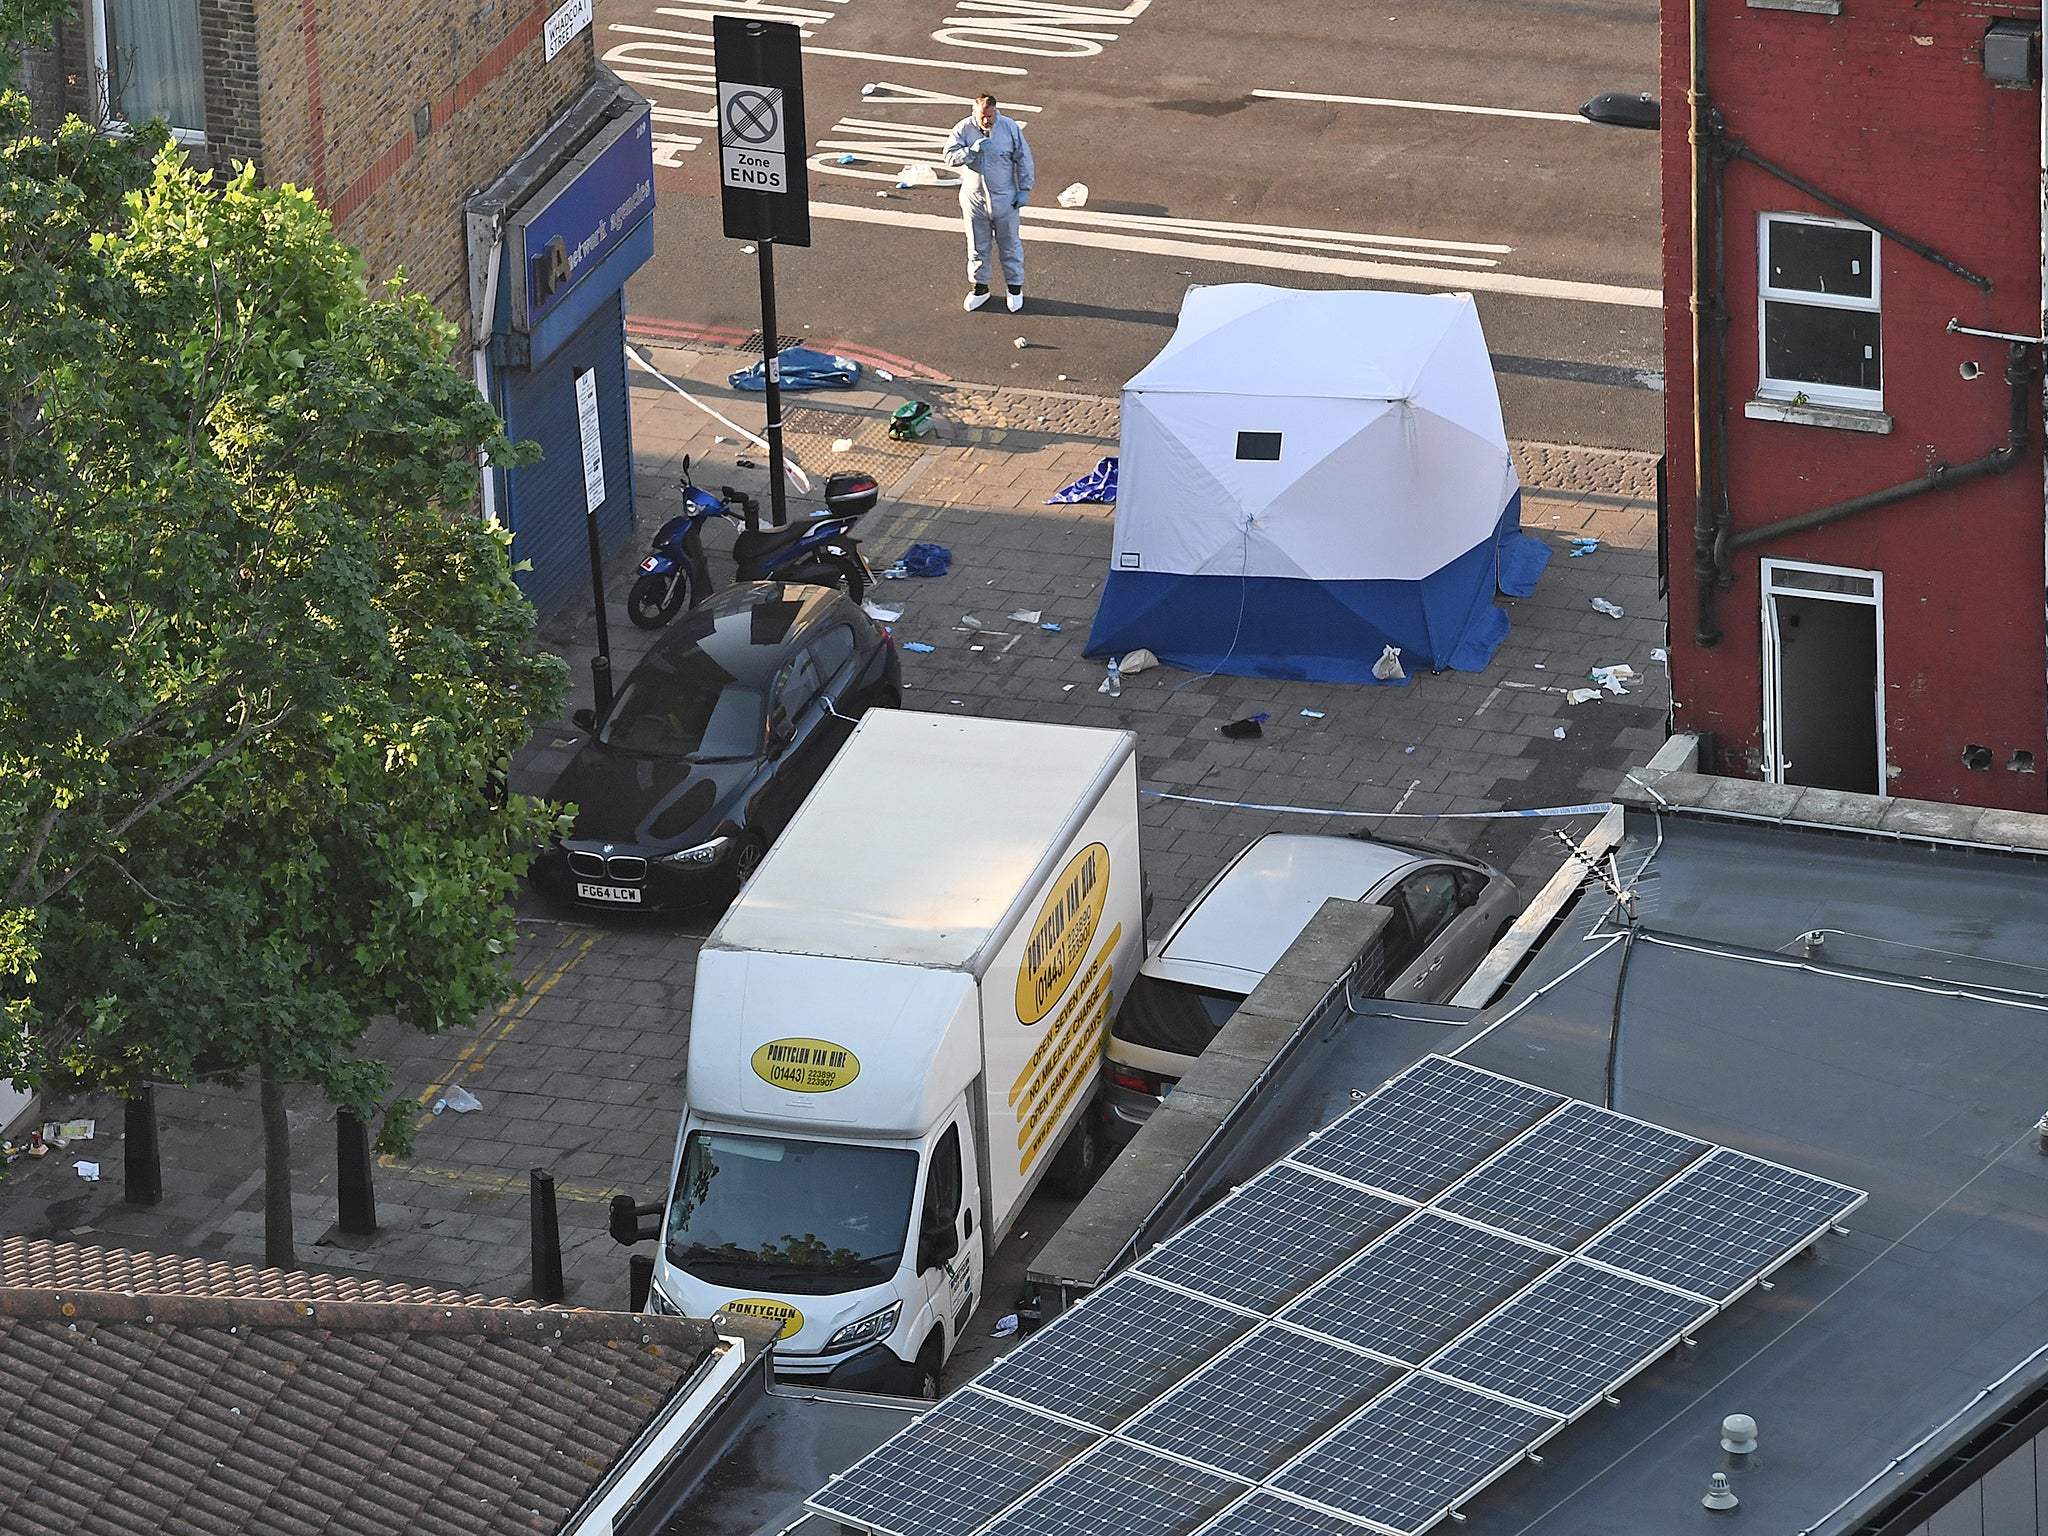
1361, 1338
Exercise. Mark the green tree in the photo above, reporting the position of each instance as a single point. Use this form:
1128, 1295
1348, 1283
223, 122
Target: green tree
264, 666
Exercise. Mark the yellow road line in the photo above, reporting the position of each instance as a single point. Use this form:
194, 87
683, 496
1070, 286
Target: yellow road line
490, 1183
516, 1007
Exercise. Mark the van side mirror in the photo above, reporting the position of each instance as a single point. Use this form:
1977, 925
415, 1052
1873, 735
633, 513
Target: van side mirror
936, 1246
585, 720
634, 1221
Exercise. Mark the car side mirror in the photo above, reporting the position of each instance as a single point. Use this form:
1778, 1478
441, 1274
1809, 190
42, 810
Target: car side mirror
780, 734
936, 1246
585, 720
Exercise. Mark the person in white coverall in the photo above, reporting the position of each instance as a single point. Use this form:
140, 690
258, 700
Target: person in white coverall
994, 162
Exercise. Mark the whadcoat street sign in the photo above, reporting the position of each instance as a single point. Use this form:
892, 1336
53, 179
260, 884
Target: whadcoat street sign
763, 185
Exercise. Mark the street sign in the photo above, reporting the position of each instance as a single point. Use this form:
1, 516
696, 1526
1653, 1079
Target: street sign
763, 186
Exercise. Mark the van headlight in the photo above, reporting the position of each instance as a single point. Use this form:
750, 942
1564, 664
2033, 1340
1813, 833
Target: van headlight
703, 853
659, 1305
878, 1326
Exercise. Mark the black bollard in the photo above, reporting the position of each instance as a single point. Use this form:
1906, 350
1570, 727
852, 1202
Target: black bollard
639, 1281
142, 1157
547, 1237
352, 1174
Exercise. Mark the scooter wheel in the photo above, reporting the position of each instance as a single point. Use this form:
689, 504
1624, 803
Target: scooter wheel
655, 600
844, 573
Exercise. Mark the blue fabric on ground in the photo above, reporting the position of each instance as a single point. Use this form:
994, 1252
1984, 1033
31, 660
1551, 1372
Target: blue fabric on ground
927, 560
1099, 484
801, 368
1522, 558
1322, 631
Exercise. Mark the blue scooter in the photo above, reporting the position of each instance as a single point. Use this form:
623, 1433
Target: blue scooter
819, 550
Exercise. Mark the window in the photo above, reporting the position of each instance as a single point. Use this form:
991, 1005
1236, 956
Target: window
1818, 302
798, 687
1430, 898
833, 651
148, 60
1258, 445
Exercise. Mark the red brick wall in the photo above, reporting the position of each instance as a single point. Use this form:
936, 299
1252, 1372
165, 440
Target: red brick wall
1886, 107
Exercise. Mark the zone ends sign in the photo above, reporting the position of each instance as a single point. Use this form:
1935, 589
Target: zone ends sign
763, 189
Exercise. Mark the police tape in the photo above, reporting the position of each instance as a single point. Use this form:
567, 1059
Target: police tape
1599, 809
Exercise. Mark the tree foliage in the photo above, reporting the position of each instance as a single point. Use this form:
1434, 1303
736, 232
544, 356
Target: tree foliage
261, 666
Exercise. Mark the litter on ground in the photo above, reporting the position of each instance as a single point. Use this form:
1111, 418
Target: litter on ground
90, 1172
1582, 696
878, 612
1140, 660
1050, 628
1242, 730
1388, 668
1558, 733
1612, 610
1027, 615
927, 560
1584, 547
1075, 196
1311, 714
919, 647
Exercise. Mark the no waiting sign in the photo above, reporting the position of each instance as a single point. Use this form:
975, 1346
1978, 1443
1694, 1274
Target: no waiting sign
762, 184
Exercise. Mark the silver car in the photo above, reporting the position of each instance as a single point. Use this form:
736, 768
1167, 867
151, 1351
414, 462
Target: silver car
1447, 912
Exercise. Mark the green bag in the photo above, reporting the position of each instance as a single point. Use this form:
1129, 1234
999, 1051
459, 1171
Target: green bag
911, 421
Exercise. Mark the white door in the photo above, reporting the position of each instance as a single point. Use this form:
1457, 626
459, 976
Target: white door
1823, 676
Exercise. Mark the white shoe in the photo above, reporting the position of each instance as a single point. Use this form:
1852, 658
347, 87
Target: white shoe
975, 300
1015, 300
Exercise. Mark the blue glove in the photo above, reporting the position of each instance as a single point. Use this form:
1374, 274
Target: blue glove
1023, 199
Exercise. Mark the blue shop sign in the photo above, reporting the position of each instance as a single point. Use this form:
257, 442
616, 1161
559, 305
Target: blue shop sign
580, 217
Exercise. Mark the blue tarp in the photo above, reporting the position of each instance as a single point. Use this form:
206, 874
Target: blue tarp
801, 368
1099, 484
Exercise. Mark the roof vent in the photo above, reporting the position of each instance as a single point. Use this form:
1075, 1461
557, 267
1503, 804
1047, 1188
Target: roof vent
1719, 1495
1738, 1434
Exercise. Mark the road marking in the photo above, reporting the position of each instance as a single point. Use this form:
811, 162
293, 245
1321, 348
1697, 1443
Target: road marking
827, 53
1290, 261
1421, 106
1388, 246
506, 1019
1044, 29
488, 1183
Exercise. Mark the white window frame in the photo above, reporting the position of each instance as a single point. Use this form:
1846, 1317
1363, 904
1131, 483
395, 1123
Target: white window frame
108, 120
1773, 588
1769, 388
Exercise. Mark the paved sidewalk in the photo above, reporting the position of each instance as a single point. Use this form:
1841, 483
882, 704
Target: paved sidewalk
582, 1074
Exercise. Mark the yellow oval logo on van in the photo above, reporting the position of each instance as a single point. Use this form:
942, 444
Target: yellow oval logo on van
806, 1066
791, 1320
1060, 934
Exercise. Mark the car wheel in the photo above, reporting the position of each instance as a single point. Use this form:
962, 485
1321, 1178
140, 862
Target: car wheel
748, 859
929, 1367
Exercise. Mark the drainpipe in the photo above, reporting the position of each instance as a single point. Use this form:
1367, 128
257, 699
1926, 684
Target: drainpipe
2019, 373
1705, 558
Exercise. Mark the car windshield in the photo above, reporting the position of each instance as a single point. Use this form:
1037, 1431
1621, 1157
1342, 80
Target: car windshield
773, 1212
682, 703
1172, 1016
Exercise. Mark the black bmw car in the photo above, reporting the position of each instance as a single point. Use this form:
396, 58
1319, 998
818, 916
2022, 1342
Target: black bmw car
711, 745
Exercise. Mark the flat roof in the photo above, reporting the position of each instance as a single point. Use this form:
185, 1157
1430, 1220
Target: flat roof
1907, 1055
922, 836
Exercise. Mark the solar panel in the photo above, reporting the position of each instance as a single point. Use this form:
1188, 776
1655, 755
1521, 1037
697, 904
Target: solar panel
1262, 1401
1426, 1128
1418, 1354
1109, 1356
1265, 1514
1415, 1453
960, 1464
1271, 1240
1419, 1287
1572, 1336
1121, 1489
1572, 1175
1727, 1221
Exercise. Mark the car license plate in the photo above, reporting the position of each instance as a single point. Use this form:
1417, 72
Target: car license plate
591, 892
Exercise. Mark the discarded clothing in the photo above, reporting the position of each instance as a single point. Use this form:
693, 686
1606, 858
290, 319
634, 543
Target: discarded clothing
1099, 484
927, 560
801, 368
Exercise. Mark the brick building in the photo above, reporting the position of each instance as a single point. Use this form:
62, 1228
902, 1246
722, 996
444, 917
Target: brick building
1853, 260
440, 134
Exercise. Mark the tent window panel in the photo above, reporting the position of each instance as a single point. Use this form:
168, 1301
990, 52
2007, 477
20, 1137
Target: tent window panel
1259, 445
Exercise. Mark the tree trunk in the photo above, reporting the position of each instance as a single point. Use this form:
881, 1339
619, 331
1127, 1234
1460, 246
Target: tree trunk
278, 1252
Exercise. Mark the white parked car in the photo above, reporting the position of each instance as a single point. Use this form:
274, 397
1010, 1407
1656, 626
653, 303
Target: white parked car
1447, 912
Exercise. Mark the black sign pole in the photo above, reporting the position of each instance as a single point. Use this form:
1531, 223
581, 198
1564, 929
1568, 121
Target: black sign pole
601, 663
771, 347
763, 186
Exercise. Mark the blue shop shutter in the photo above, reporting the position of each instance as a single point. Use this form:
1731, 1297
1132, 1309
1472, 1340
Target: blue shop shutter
544, 500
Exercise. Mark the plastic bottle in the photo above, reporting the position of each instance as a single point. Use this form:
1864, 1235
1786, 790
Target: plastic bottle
1116, 679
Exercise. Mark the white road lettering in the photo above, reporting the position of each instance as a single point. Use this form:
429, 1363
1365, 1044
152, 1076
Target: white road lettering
1421, 106
1394, 247
1290, 261
1040, 28
891, 58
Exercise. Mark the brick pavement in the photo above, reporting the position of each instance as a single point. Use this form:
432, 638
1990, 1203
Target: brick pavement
582, 1074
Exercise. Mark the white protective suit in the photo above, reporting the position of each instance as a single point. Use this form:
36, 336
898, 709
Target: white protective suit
995, 181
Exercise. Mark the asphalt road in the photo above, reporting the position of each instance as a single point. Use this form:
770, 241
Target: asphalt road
1193, 176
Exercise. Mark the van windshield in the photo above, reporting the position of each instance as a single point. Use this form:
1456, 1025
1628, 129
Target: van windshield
814, 1217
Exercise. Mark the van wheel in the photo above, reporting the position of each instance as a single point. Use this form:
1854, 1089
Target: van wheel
929, 1367
1078, 1163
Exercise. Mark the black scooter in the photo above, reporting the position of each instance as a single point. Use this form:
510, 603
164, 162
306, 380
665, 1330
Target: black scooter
818, 550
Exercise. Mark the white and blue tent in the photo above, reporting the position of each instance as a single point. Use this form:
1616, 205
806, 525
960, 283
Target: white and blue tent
1307, 477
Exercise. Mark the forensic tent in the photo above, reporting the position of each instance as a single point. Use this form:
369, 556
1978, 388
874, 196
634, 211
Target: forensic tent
1306, 478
